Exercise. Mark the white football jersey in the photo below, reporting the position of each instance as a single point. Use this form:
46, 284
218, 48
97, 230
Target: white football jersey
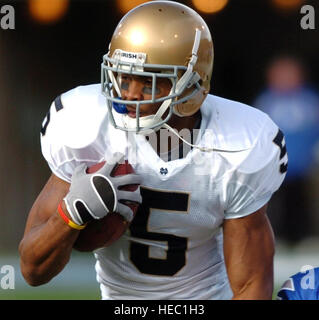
173, 248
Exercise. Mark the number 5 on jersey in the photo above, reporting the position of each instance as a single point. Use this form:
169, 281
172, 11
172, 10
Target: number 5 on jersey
162, 201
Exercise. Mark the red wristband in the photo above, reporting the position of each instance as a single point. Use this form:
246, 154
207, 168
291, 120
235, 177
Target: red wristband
69, 222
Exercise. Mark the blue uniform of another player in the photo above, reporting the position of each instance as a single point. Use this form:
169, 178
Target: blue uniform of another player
301, 286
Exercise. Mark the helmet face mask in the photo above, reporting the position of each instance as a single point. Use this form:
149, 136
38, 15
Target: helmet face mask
111, 87
139, 47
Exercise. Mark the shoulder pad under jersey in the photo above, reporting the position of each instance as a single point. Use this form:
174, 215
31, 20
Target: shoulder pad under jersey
244, 135
75, 118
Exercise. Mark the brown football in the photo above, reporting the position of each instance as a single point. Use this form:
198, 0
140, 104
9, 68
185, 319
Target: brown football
103, 232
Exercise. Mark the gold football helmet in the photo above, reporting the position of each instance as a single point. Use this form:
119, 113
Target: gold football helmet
159, 39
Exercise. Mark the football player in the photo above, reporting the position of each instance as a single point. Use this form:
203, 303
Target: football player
201, 230
303, 285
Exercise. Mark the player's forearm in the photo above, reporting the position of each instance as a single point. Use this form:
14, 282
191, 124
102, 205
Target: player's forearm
251, 281
45, 250
254, 290
249, 252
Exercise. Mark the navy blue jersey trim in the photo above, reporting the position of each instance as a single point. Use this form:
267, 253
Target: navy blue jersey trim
58, 103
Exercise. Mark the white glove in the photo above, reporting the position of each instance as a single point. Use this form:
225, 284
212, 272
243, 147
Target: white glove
93, 196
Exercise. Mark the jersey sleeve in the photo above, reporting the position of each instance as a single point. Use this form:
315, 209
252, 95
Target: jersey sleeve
52, 149
70, 133
259, 175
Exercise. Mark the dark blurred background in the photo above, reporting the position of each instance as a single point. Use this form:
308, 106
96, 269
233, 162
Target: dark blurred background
47, 54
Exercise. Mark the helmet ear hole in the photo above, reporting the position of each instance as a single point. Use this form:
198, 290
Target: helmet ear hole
192, 105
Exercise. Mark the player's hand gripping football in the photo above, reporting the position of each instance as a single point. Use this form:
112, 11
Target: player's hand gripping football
93, 196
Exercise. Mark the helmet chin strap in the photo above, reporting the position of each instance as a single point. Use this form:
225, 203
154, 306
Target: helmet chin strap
147, 121
143, 122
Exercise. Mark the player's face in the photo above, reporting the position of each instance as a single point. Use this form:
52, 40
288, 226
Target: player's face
138, 88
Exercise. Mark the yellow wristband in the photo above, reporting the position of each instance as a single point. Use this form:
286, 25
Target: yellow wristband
69, 222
